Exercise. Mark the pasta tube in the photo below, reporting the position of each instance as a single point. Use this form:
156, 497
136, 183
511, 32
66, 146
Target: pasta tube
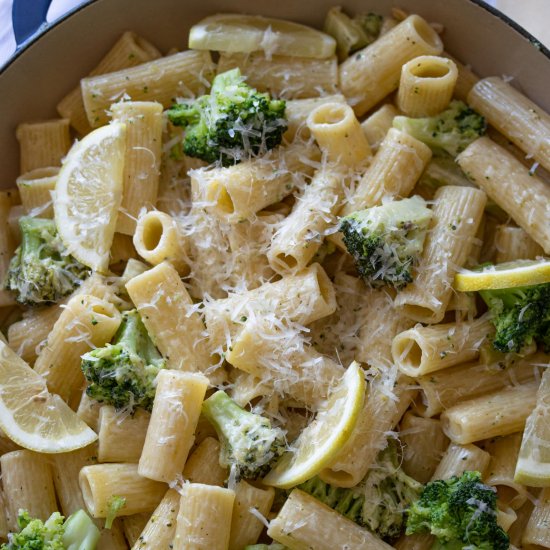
339, 135
426, 86
157, 238
421, 350
28, 485
456, 217
159, 532
505, 179
101, 482
86, 322
284, 76
204, 518
499, 413
143, 120
372, 73
170, 435
181, 74
523, 122
301, 233
43, 143
163, 303
304, 522
394, 171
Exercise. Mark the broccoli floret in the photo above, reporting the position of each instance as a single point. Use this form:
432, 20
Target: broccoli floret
42, 271
371, 23
461, 512
379, 501
451, 131
114, 505
352, 34
386, 241
250, 444
123, 373
77, 533
521, 315
233, 123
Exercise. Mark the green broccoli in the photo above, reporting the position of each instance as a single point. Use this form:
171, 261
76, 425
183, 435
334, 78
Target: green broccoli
272, 546
233, 123
250, 444
352, 34
378, 502
123, 373
78, 532
386, 241
114, 505
451, 131
521, 316
42, 271
461, 512
371, 23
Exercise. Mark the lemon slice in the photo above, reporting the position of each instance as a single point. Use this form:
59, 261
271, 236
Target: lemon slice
506, 275
251, 33
33, 417
322, 440
88, 194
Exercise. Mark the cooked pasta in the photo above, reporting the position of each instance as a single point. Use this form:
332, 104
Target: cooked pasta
296, 332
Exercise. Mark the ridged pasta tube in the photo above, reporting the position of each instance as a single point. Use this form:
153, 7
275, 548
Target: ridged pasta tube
426, 85
371, 74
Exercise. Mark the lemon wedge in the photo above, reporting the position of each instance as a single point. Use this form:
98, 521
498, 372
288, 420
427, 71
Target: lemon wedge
33, 417
506, 275
88, 194
250, 33
533, 464
322, 440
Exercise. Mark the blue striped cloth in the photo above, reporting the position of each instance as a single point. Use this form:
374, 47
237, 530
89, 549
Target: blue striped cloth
21, 19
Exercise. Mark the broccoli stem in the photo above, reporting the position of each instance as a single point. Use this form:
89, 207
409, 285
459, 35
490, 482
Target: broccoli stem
80, 532
249, 443
32, 231
222, 412
133, 336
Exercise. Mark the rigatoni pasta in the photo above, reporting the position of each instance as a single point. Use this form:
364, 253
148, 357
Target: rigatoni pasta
161, 79
499, 413
157, 239
290, 77
514, 115
456, 216
252, 291
504, 178
101, 482
170, 434
394, 171
373, 73
421, 350
86, 322
204, 517
43, 144
303, 521
338, 134
143, 121
28, 484
177, 334
426, 85
35, 189
121, 436
128, 51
